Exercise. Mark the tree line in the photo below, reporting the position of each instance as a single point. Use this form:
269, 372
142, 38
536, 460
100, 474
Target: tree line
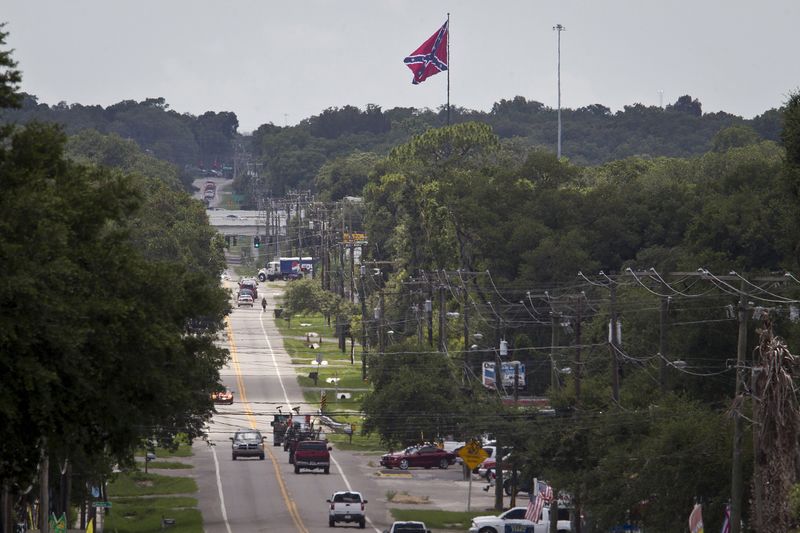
527, 249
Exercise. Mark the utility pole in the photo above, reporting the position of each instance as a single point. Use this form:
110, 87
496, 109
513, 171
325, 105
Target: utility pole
442, 317
662, 344
352, 266
381, 325
738, 431
613, 346
429, 313
554, 324
498, 481
464, 310
44, 490
578, 365
558, 29
364, 338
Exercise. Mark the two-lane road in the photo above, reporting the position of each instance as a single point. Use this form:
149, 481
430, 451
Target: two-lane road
251, 495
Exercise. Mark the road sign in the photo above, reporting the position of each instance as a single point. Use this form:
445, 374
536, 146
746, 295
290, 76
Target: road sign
102, 504
472, 454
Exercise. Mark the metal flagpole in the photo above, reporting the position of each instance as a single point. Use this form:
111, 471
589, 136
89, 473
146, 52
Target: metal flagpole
558, 28
448, 69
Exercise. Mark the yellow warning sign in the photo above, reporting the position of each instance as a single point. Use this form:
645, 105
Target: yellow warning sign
472, 454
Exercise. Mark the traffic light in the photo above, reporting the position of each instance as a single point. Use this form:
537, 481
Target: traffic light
256, 241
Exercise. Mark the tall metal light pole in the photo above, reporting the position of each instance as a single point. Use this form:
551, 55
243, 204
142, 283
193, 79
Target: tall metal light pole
558, 29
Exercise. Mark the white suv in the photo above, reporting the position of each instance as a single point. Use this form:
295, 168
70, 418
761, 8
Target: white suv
347, 506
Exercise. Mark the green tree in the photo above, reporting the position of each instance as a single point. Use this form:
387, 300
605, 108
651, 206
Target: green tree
125, 348
414, 398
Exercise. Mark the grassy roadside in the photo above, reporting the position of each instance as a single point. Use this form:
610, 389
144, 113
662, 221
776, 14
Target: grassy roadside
344, 398
434, 519
140, 501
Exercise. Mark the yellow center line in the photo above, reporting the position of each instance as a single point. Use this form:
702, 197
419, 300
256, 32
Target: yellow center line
290, 504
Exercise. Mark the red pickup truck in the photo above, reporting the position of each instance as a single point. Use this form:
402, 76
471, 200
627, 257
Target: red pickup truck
312, 454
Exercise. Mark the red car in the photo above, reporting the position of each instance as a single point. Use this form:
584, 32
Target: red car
225, 396
426, 456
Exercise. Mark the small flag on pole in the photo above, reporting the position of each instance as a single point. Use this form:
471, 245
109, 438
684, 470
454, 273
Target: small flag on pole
696, 519
536, 503
430, 58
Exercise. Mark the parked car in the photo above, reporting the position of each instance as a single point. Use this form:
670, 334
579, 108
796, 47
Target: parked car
489, 464
247, 443
514, 520
408, 527
225, 396
426, 456
348, 507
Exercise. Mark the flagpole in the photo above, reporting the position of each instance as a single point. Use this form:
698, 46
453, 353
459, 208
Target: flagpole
448, 69
558, 28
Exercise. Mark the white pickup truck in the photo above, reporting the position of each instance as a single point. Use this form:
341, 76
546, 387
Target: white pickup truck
515, 518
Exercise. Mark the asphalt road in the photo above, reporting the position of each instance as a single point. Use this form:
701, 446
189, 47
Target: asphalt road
249, 495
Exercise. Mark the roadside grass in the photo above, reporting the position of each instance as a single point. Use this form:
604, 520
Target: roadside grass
142, 515
166, 465
317, 324
141, 484
345, 410
458, 520
140, 501
183, 450
300, 353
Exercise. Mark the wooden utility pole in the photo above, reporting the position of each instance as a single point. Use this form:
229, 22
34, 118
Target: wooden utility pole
498, 480
429, 313
442, 318
44, 491
738, 431
662, 344
382, 325
554, 324
364, 337
464, 310
578, 340
352, 268
613, 346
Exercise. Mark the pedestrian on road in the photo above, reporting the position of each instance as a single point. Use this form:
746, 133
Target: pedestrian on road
264, 304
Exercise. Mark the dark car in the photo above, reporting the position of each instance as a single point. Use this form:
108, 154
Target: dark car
426, 456
247, 443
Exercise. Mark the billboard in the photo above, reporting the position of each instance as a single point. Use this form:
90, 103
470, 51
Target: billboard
506, 374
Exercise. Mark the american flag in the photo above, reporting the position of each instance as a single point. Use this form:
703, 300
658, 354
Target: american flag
430, 58
726, 525
536, 503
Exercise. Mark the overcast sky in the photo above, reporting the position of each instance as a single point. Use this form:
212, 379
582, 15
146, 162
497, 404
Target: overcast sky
282, 62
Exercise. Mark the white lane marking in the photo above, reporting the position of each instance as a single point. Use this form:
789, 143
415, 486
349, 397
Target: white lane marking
219, 488
286, 398
274, 362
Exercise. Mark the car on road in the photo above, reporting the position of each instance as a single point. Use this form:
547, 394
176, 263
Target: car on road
408, 527
224, 396
348, 507
247, 443
514, 520
311, 455
426, 456
244, 300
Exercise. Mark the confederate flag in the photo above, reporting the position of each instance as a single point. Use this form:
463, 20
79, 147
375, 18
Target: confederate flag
430, 58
